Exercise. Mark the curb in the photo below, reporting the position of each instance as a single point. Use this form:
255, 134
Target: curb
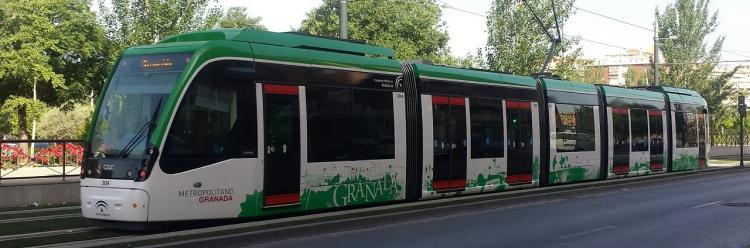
372, 214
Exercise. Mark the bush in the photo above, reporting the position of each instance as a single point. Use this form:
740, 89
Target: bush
57, 123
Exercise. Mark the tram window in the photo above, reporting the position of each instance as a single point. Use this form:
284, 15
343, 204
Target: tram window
656, 134
639, 129
575, 128
681, 130
349, 124
620, 132
216, 119
486, 128
692, 129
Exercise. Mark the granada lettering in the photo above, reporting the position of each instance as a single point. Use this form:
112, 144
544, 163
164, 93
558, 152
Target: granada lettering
207, 195
215, 198
345, 194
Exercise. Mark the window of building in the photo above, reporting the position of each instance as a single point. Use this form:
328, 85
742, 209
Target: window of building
349, 124
639, 129
216, 119
486, 128
575, 128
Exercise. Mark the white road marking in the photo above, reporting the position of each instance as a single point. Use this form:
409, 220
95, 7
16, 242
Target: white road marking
47, 233
38, 218
587, 232
708, 204
26, 211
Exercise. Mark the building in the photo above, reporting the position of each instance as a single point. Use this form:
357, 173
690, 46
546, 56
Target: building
614, 68
741, 78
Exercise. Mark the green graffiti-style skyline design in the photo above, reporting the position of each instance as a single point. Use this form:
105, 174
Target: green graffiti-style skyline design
492, 179
351, 191
685, 162
566, 172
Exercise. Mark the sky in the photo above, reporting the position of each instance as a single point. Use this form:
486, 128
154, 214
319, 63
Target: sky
468, 31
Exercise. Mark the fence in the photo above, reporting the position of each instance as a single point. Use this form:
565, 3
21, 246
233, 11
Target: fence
718, 140
26, 159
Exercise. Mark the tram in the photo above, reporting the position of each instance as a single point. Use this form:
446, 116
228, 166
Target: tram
233, 123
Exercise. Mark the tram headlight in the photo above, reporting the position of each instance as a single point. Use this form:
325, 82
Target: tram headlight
146, 164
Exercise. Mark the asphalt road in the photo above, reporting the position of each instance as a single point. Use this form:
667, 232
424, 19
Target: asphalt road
681, 212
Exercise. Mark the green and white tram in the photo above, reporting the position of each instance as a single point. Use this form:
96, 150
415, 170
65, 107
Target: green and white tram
239, 123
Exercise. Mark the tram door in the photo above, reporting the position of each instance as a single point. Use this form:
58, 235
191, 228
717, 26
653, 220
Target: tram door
656, 140
282, 139
520, 142
449, 143
702, 140
620, 141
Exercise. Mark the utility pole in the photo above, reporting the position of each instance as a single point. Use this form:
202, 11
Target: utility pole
343, 20
656, 49
742, 108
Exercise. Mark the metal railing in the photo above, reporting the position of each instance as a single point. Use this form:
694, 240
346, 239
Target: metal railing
727, 140
27, 159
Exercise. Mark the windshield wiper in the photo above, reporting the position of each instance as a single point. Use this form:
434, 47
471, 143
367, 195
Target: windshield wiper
144, 131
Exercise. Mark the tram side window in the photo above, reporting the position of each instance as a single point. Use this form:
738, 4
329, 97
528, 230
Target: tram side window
486, 128
681, 130
349, 124
656, 136
216, 119
575, 128
692, 129
620, 131
639, 129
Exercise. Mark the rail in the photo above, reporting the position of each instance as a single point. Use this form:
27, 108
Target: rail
718, 140
28, 159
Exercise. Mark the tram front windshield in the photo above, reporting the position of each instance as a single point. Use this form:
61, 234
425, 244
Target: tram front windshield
132, 99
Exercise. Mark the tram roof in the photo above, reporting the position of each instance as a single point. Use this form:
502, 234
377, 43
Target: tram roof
678, 94
469, 75
569, 86
615, 91
292, 40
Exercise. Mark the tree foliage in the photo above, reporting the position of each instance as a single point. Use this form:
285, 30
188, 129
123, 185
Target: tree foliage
412, 28
236, 17
55, 44
139, 22
517, 44
18, 113
59, 123
690, 60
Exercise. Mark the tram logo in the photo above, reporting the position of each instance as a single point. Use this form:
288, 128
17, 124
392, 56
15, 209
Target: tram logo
102, 208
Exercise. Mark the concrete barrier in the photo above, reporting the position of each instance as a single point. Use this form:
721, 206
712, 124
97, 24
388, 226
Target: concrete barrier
727, 151
20, 193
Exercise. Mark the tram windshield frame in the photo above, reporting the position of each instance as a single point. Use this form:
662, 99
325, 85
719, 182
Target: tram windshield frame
139, 85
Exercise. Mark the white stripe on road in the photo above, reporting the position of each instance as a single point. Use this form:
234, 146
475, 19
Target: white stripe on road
587, 232
708, 204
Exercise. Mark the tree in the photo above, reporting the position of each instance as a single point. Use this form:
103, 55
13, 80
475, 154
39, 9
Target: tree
517, 44
412, 28
139, 22
236, 17
637, 76
50, 50
690, 64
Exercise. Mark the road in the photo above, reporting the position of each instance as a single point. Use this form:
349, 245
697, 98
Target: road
684, 212
676, 211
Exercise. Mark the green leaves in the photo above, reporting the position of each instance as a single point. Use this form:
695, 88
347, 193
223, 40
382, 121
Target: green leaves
55, 44
139, 22
19, 113
690, 64
236, 17
412, 28
517, 44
